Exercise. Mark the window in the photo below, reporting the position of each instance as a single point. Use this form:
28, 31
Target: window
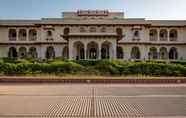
66, 31
49, 33
92, 29
82, 29
32, 35
12, 34
136, 33
173, 35
22, 34
103, 29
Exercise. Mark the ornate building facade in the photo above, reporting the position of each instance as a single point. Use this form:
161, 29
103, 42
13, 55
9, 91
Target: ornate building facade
93, 35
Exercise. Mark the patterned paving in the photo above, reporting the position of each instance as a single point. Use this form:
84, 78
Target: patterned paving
56, 101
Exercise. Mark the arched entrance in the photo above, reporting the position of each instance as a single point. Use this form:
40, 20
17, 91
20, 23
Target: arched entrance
153, 54
33, 52
92, 50
50, 53
135, 53
79, 50
12, 53
173, 54
163, 53
22, 52
105, 50
120, 54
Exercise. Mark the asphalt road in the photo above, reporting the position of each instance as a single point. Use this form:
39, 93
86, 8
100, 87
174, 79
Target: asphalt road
88, 100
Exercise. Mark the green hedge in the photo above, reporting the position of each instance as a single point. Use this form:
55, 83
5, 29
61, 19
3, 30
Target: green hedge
102, 67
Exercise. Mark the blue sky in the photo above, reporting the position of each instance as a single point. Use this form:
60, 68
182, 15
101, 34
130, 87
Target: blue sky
149, 9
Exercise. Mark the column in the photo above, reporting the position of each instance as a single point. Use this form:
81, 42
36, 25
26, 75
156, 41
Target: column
70, 51
114, 46
27, 34
158, 30
168, 33
85, 50
99, 51
17, 34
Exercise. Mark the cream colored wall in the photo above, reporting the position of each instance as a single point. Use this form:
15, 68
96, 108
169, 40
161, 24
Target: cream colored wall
58, 31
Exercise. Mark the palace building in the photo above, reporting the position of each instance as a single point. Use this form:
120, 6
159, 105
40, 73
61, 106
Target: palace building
92, 35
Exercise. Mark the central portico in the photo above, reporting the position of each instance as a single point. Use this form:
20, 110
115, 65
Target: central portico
92, 47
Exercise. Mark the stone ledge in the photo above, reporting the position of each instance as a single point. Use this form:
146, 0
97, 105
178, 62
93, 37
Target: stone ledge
106, 80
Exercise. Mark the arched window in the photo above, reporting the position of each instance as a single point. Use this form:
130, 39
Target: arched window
103, 29
22, 34
33, 52
119, 32
120, 54
92, 29
32, 35
153, 35
50, 53
173, 54
153, 54
105, 50
49, 35
22, 52
163, 53
82, 29
66, 31
136, 33
135, 53
12, 34
173, 35
12, 53
65, 52
163, 35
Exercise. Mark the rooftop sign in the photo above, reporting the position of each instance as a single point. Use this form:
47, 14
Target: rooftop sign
92, 12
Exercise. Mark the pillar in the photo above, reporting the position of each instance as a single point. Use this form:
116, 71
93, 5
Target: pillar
114, 48
99, 51
70, 51
85, 51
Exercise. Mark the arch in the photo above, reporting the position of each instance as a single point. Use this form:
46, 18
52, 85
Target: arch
92, 50
50, 52
173, 35
32, 35
103, 29
65, 52
22, 52
79, 50
163, 53
82, 29
120, 54
119, 32
163, 35
173, 54
135, 53
22, 34
92, 29
66, 31
106, 49
12, 34
153, 54
153, 35
12, 53
33, 52
136, 33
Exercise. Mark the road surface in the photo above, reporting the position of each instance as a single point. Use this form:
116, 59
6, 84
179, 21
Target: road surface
92, 100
